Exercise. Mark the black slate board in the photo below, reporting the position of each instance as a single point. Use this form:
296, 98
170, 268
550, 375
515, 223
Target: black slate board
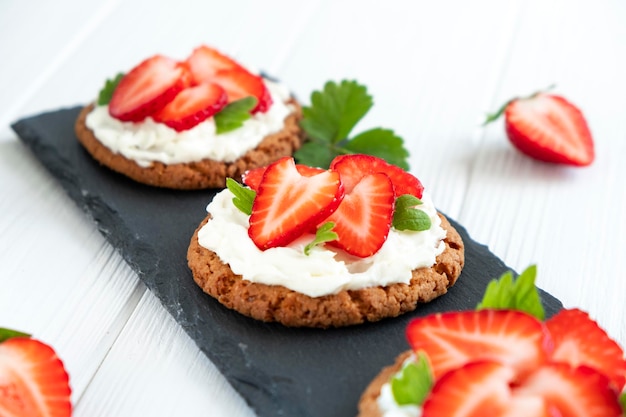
277, 370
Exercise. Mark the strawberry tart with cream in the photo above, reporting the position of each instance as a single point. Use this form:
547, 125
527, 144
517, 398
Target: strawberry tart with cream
315, 247
189, 124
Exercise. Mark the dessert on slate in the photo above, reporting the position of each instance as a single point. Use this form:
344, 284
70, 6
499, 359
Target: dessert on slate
189, 124
304, 246
502, 360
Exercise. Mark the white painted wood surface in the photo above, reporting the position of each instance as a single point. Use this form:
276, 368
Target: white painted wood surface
434, 69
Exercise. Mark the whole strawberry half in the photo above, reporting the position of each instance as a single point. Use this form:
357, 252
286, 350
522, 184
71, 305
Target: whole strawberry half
548, 128
33, 381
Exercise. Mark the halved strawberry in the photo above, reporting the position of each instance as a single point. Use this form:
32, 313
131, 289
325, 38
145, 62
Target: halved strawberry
353, 167
147, 88
204, 62
548, 128
287, 203
455, 338
578, 340
490, 388
481, 389
192, 106
252, 177
33, 381
363, 219
240, 83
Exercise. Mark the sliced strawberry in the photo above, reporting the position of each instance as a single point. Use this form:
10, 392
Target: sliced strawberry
252, 177
363, 219
33, 381
455, 338
239, 83
148, 88
549, 128
572, 391
490, 389
192, 106
481, 389
204, 62
578, 340
287, 203
353, 167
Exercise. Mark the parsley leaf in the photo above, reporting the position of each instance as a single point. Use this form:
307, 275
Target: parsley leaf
519, 294
244, 196
323, 234
109, 87
234, 114
333, 113
414, 382
6, 334
406, 217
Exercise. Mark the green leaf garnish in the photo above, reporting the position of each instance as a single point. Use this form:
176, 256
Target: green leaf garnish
333, 113
244, 196
234, 114
517, 294
323, 234
104, 97
406, 217
622, 402
414, 382
6, 334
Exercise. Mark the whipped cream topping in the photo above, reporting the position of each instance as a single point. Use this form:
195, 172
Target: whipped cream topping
387, 403
325, 270
148, 141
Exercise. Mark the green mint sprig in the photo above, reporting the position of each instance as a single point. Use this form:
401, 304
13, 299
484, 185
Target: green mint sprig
234, 114
6, 334
330, 118
243, 196
323, 234
517, 294
407, 217
413, 384
104, 97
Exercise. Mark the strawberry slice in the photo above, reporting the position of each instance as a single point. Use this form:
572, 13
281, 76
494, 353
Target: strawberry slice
353, 167
252, 177
363, 219
239, 83
455, 338
578, 340
204, 62
192, 106
287, 203
147, 88
548, 128
489, 388
33, 381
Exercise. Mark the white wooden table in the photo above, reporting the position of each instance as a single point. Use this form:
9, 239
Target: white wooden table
434, 69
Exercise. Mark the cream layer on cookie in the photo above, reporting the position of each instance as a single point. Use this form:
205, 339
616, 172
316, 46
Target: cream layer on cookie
325, 270
147, 141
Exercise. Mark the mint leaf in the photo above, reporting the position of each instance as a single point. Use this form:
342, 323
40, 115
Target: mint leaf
6, 334
406, 217
336, 110
622, 402
414, 382
104, 97
518, 294
243, 196
323, 234
382, 143
234, 114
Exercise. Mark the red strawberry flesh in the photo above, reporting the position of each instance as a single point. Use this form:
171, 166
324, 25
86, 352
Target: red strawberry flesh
148, 88
288, 204
239, 83
33, 381
578, 340
252, 177
455, 338
204, 62
551, 129
191, 106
